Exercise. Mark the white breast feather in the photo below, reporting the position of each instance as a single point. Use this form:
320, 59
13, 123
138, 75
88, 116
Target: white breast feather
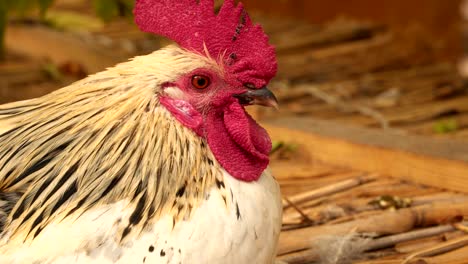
216, 233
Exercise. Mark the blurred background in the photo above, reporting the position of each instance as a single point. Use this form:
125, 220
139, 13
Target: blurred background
441, 19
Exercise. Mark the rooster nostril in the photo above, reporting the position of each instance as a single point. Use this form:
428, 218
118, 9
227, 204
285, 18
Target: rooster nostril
244, 100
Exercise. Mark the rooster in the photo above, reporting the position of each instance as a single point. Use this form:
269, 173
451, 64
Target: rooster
154, 160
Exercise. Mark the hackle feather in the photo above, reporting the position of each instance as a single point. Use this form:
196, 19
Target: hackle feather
101, 140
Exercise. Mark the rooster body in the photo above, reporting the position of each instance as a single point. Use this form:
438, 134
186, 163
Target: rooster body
152, 161
234, 234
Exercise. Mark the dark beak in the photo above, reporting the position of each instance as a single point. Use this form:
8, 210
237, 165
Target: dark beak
261, 96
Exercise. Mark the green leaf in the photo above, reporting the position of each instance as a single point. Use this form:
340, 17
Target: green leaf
276, 145
52, 71
445, 126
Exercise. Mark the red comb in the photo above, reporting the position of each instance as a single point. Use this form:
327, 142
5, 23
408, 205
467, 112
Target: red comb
228, 35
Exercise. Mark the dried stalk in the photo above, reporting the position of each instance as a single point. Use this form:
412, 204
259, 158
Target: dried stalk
330, 189
461, 227
439, 249
304, 216
412, 235
304, 256
456, 256
386, 223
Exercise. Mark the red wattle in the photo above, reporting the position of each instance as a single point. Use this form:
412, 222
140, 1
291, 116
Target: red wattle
239, 144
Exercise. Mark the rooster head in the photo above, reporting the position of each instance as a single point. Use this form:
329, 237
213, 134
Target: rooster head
224, 63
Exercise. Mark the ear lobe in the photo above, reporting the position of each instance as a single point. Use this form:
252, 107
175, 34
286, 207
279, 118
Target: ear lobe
185, 113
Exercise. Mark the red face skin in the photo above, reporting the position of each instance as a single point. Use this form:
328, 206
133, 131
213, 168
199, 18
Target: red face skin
239, 144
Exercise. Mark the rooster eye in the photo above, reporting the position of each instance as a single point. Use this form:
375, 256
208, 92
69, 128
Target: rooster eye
200, 81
